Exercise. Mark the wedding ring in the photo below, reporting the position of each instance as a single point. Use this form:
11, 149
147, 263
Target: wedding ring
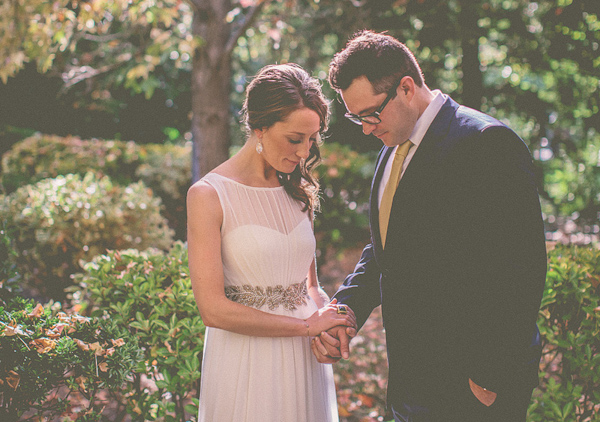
342, 309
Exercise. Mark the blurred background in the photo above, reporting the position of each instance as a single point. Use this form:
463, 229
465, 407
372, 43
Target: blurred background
109, 109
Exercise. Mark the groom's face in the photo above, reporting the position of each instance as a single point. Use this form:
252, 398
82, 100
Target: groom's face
398, 118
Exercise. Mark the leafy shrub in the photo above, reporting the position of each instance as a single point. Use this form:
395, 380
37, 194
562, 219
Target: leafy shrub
345, 178
569, 322
8, 270
47, 356
150, 293
166, 169
57, 222
45, 156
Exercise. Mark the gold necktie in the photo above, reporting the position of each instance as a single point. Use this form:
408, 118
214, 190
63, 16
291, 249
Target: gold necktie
390, 188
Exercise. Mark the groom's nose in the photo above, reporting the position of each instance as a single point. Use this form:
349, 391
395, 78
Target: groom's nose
367, 128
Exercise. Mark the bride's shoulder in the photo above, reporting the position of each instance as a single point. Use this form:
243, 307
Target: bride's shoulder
203, 194
204, 211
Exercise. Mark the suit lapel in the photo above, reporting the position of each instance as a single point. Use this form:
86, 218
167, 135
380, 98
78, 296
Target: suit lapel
418, 173
430, 149
384, 156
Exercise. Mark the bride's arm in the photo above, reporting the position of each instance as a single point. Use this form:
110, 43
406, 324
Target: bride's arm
314, 289
205, 217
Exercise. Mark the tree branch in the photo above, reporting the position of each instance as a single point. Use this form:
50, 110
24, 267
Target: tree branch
244, 25
87, 73
107, 37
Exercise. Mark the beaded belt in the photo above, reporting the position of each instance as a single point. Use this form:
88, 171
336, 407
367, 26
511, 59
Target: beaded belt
256, 296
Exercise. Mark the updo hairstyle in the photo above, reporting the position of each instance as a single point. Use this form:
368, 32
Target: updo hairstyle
274, 93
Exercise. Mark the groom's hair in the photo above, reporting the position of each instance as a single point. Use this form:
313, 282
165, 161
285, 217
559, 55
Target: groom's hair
380, 57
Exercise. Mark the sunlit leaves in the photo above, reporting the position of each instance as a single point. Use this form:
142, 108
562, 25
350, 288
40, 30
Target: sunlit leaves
18, 21
569, 323
43, 345
123, 41
9, 329
46, 355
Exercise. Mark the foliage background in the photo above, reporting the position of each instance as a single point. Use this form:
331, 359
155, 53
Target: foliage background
132, 72
124, 70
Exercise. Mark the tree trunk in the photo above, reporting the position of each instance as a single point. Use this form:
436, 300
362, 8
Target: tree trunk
211, 78
472, 80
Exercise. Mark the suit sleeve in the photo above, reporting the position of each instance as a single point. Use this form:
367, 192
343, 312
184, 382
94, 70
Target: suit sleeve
361, 289
507, 255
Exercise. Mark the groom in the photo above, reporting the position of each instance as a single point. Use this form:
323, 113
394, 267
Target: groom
457, 256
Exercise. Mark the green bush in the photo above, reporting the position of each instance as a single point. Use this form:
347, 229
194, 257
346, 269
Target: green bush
8, 269
166, 169
57, 222
345, 178
150, 293
569, 323
46, 156
47, 357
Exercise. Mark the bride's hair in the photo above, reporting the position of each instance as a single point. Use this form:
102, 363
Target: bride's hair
274, 93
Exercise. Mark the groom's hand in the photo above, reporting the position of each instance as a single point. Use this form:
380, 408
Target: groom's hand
330, 346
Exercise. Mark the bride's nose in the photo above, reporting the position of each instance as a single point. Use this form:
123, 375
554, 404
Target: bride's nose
304, 150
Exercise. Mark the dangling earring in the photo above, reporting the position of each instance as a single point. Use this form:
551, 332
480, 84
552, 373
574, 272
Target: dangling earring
259, 146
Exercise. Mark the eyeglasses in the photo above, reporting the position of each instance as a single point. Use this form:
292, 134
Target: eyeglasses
373, 118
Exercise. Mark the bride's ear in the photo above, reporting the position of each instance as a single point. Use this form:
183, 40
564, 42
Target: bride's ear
259, 132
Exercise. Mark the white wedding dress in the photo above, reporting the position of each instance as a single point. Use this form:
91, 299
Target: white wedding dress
267, 248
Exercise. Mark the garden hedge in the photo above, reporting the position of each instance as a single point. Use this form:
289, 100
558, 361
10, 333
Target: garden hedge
149, 293
569, 322
165, 168
48, 356
54, 223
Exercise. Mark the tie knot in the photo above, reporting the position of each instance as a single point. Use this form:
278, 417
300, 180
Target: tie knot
403, 149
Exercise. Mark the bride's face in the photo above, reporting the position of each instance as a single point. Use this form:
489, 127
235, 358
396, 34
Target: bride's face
288, 142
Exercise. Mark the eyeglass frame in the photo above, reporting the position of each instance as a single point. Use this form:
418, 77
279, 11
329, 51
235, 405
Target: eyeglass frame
359, 120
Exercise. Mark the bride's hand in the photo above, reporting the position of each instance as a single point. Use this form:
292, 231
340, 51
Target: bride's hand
350, 312
330, 316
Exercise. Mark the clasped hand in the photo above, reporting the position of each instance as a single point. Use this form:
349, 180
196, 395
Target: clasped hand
330, 316
332, 344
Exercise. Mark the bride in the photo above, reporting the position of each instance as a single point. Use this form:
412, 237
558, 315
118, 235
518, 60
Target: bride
251, 253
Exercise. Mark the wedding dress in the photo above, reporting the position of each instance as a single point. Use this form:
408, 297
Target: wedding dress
267, 246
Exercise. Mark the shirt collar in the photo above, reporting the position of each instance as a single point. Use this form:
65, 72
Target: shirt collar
427, 117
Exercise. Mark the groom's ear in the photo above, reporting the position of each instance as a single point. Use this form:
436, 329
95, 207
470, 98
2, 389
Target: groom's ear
407, 87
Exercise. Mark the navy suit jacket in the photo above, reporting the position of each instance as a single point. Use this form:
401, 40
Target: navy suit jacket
462, 275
